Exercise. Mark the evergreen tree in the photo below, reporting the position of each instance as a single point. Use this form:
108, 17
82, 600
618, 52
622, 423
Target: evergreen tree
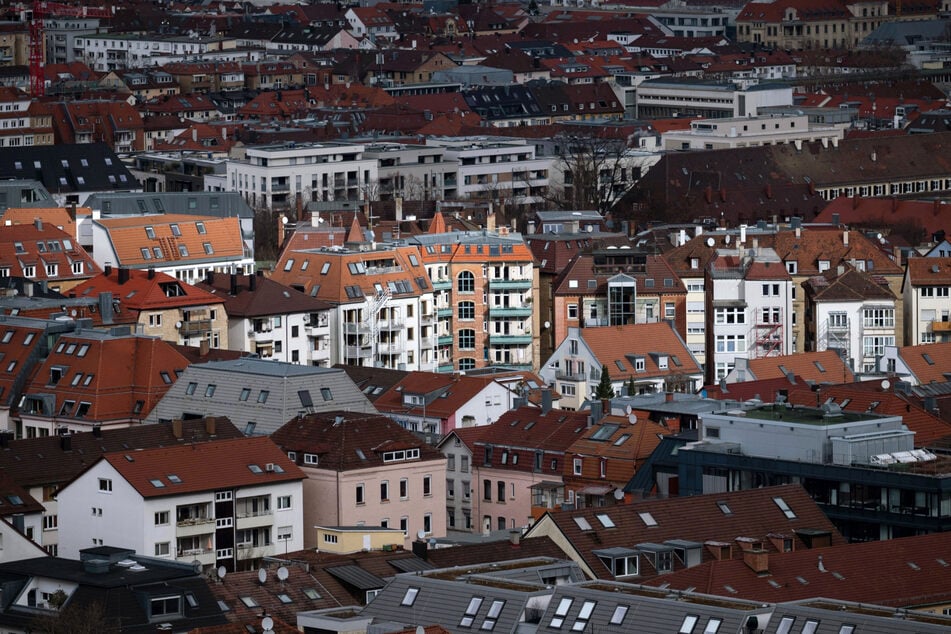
604, 389
631, 388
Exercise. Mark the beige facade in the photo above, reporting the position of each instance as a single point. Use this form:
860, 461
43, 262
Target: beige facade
190, 325
351, 539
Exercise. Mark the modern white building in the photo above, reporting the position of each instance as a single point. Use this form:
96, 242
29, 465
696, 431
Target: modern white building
413, 172
103, 52
673, 97
734, 132
749, 308
222, 503
274, 175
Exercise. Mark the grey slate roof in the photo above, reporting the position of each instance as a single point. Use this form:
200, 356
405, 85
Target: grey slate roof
283, 383
218, 204
67, 168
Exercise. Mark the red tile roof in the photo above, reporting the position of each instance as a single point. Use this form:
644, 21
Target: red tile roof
19, 342
204, 466
822, 366
43, 245
268, 297
611, 346
131, 240
928, 362
881, 213
454, 390
929, 271
147, 290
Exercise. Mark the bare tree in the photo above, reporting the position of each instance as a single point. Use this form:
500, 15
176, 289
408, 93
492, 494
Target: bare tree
77, 618
594, 169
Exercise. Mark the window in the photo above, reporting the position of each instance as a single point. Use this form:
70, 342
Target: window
466, 310
427, 485
404, 488
689, 622
50, 522
245, 393
310, 458
493, 616
384, 491
770, 290
572, 311
713, 626
166, 606
285, 534
875, 346
561, 612
788, 512
428, 523
283, 502
500, 489
360, 495
330, 539
731, 343
577, 465
176, 231
162, 549
410, 597
209, 250
730, 315
161, 518
465, 282
878, 317
584, 615
105, 485
785, 625
617, 618
262, 396
190, 388
467, 339
210, 390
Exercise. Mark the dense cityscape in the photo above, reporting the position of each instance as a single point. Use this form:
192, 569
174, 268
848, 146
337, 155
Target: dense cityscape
444, 316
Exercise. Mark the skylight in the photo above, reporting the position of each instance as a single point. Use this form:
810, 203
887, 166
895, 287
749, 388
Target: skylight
158, 484
788, 512
410, 597
648, 519
605, 520
582, 523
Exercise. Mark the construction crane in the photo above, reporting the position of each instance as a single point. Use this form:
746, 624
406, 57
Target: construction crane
42, 10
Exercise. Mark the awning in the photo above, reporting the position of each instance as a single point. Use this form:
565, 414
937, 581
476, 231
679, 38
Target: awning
357, 577
547, 485
596, 489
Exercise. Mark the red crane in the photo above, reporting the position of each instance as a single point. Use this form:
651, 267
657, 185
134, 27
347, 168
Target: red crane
41, 10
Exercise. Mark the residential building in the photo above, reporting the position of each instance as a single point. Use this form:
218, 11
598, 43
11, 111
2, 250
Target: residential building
258, 395
433, 405
749, 131
673, 97
271, 320
364, 469
223, 503
617, 285
826, 366
484, 285
22, 512
23, 192
653, 537
274, 175
653, 357
67, 455
44, 253
93, 379
919, 365
458, 447
381, 296
115, 123
925, 292
853, 313
111, 51
135, 592
183, 246
23, 123
61, 34
748, 308
861, 468
412, 171
159, 305
504, 170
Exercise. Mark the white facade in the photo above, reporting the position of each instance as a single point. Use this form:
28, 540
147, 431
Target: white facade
673, 98
413, 172
101, 508
751, 316
275, 174
861, 331
718, 134
105, 52
302, 338
927, 311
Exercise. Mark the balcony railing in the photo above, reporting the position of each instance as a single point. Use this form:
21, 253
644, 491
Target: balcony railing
941, 326
195, 327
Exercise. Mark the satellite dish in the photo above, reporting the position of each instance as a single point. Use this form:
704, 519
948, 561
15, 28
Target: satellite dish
262, 575
178, 324
73, 313
222, 571
726, 239
196, 566
283, 220
711, 242
627, 409
632, 418
886, 384
421, 534
618, 494
547, 324
267, 624
282, 573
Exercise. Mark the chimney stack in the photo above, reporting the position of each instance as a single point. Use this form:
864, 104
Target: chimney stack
107, 270
757, 560
546, 400
211, 425
845, 237
234, 284
177, 428
123, 275
252, 282
151, 272
38, 223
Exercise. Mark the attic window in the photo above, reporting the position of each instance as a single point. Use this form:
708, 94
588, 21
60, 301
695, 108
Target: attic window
621, 440
174, 479
310, 458
150, 233
583, 524
253, 468
158, 484
724, 508
648, 519
176, 231
690, 621
249, 601
561, 612
209, 250
471, 610
605, 520
200, 226
927, 358
788, 512
410, 597
311, 594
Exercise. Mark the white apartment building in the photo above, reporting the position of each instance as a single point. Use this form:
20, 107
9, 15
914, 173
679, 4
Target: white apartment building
926, 294
734, 132
749, 308
61, 35
672, 97
103, 52
507, 170
273, 175
222, 503
413, 172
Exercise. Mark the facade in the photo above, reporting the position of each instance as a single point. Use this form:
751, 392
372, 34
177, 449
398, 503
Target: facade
666, 97
158, 305
853, 313
45, 254
274, 175
484, 285
271, 320
652, 357
258, 395
748, 309
364, 469
925, 293
104, 52
184, 246
414, 172
383, 310
223, 503
862, 469
23, 123
748, 131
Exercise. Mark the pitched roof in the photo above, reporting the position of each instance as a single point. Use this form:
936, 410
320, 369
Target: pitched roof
204, 466
68, 168
179, 239
267, 298
21, 342
916, 569
887, 212
50, 251
146, 290
703, 518
850, 286
928, 362
529, 428
820, 367
929, 271
614, 347
346, 440
94, 377
51, 460
444, 393
15, 499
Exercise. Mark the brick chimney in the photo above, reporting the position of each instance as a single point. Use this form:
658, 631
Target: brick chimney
757, 560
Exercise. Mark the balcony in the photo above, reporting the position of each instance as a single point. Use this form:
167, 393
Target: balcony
442, 285
941, 326
193, 526
511, 339
427, 318
511, 311
195, 327
391, 324
444, 340
280, 187
359, 352
392, 347
351, 328
501, 283
444, 313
